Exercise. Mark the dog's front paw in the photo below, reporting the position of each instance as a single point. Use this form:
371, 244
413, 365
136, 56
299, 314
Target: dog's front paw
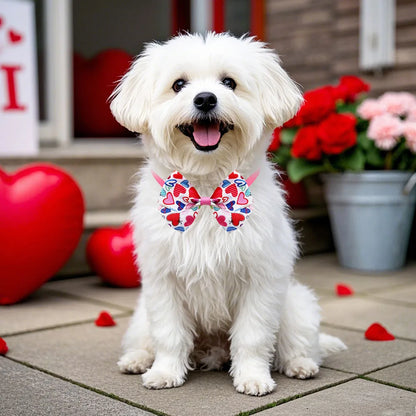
254, 386
301, 367
157, 379
135, 362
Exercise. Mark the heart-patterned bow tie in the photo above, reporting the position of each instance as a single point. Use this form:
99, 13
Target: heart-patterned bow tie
180, 202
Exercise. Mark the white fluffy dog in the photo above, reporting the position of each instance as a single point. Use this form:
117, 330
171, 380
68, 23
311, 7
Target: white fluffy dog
206, 107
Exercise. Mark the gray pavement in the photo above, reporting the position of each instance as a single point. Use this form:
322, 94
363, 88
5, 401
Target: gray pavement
60, 363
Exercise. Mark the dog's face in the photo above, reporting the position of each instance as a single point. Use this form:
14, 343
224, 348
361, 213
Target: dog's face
204, 103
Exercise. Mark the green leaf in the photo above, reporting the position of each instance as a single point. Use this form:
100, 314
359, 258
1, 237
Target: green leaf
363, 141
282, 156
375, 157
288, 135
298, 169
353, 160
347, 107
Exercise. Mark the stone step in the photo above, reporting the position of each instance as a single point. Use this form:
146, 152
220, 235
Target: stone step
312, 226
106, 170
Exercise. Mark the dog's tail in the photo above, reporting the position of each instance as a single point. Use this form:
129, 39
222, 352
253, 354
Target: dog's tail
330, 345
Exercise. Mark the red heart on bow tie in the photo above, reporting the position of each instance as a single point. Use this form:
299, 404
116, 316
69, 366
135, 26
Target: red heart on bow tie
189, 220
233, 175
231, 189
237, 218
217, 193
110, 254
377, 332
178, 189
15, 37
193, 193
343, 290
41, 222
221, 220
173, 218
177, 175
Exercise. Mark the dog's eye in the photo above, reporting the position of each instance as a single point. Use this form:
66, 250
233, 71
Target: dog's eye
178, 85
230, 83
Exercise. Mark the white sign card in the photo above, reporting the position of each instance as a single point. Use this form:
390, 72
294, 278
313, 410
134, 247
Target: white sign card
18, 79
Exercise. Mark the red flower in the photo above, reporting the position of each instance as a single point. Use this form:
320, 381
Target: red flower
306, 143
275, 143
337, 133
318, 104
349, 87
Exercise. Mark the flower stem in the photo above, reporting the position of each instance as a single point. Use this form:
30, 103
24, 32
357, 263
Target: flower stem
388, 161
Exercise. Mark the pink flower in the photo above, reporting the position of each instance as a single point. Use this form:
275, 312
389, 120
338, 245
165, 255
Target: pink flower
409, 132
385, 131
398, 103
370, 108
411, 115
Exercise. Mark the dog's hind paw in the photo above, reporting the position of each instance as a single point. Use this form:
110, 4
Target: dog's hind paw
301, 367
135, 362
156, 379
254, 386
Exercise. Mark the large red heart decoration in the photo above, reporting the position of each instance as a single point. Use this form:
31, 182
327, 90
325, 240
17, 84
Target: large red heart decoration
94, 81
41, 222
110, 253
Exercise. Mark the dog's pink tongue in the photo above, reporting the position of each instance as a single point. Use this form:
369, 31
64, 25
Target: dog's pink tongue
207, 135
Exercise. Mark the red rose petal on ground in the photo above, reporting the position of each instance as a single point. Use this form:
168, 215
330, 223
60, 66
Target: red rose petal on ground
105, 319
377, 332
3, 347
343, 290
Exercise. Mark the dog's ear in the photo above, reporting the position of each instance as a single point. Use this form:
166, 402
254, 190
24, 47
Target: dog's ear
130, 101
280, 96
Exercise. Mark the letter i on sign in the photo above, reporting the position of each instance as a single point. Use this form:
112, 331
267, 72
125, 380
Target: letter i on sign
18, 79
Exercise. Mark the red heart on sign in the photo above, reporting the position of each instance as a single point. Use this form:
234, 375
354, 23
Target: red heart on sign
94, 81
41, 222
377, 332
110, 253
15, 37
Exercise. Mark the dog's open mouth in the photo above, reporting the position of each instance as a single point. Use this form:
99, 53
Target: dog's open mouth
205, 134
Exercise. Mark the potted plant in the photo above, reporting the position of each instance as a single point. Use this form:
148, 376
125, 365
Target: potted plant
365, 151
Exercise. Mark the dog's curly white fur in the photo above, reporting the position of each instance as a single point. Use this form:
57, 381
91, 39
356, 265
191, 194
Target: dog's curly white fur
207, 295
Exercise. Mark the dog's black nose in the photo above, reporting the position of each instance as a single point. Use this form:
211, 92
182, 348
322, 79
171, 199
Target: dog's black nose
205, 101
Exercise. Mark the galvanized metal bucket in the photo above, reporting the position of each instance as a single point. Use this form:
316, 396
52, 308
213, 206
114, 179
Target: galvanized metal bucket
371, 215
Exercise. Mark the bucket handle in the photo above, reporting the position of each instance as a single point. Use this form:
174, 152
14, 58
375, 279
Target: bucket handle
409, 185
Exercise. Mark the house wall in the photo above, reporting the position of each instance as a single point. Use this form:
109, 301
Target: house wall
318, 41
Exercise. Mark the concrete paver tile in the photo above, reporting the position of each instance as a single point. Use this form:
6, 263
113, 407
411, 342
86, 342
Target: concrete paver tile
363, 355
93, 288
28, 392
323, 272
406, 294
43, 309
403, 374
357, 397
360, 313
88, 355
